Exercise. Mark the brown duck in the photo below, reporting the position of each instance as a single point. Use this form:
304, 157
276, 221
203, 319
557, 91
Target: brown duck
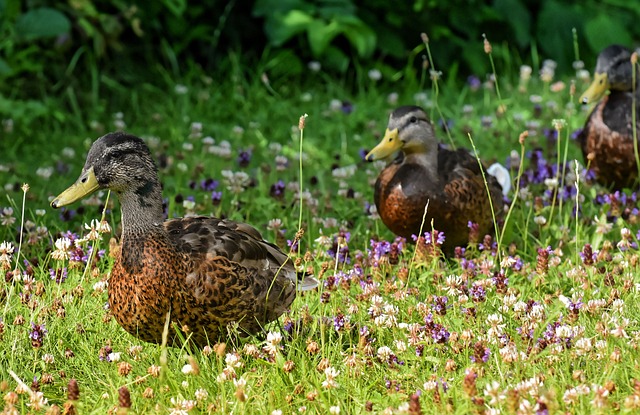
206, 272
451, 181
607, 136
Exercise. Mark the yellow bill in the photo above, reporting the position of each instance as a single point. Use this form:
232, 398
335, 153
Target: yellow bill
596, 90
85, 185
390, 144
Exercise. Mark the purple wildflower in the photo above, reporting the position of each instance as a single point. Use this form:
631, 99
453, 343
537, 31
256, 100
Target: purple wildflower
59, 275
244, 158
277, 189
477, 293
37, 333
216, 198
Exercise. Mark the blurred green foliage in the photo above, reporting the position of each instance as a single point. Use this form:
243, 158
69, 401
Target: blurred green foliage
49, 46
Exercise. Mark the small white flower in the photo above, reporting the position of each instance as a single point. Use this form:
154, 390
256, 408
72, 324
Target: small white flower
375, 75
187, 369
540, 220
180, 89
330, 374
201, 395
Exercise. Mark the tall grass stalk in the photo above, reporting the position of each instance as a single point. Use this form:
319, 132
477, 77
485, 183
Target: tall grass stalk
634, 115
486, 187
25, 189
577, 249
516, 193
415, 249
95, 242
501, 106
434, 76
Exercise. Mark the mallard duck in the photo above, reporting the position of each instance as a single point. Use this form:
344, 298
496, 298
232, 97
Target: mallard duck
451, 181
206, 272
607, 136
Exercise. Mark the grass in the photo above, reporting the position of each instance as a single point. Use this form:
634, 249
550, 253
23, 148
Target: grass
392, 329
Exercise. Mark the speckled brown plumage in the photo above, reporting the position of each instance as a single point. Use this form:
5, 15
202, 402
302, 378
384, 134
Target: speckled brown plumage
607, 137
207, 272
450, 180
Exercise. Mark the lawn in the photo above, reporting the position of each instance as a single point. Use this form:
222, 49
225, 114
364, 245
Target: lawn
536, 319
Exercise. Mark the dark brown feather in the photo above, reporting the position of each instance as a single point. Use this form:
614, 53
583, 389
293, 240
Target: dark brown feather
607, 141
402, 190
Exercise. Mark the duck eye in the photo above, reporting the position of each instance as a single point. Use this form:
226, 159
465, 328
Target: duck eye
413, 120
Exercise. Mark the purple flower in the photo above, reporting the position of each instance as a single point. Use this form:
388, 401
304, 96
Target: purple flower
474, 82
339, 322
59, 275
209, 184
477, 293
440, 305
216, 198
277, 189
37, 333
244, 158
439, 334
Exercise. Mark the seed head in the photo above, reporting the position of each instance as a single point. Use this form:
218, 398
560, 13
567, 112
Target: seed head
487, 45
302, 121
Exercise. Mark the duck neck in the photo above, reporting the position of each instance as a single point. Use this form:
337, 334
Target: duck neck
142, 209
428, 161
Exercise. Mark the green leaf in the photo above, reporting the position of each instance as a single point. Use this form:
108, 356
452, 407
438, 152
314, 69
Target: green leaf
601, 31
280, 30
361, 36
176, 7
270, 8
518, 17
42, 23
321, 34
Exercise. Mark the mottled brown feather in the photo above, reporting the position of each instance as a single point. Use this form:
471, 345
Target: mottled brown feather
401, 193
607, 141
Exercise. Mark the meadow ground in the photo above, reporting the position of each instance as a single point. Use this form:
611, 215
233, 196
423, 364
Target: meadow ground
540, 318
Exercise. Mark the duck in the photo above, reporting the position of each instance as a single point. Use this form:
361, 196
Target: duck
606, 139
211, 275
450, 181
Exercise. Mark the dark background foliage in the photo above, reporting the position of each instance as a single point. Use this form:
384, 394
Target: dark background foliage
48, 46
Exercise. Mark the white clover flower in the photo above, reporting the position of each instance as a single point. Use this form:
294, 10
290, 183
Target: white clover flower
61, 252
330, 374
375, 74
44, 172
314, 66
201, 395
180, 89
272, 343
384, 353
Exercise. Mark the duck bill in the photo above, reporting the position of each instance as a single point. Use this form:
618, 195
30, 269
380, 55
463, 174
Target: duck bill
390, 144
596, 90
85, 185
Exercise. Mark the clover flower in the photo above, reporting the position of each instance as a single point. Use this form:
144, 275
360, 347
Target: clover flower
330, 378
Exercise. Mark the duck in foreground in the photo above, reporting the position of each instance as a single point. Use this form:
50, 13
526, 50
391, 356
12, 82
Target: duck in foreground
206, 272
607, 136
450, 181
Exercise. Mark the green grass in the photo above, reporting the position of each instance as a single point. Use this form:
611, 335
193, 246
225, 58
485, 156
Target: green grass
383, 350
